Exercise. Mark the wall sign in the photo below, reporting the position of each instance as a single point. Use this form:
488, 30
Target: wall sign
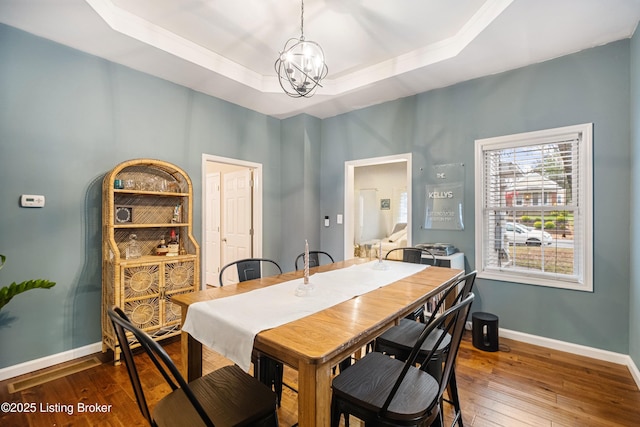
445, 198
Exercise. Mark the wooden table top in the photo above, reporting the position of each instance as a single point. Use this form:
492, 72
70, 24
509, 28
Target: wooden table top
333, 333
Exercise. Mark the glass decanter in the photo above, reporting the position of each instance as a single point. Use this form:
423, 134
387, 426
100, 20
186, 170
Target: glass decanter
133, 249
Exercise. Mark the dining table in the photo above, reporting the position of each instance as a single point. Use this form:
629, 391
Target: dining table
316, 342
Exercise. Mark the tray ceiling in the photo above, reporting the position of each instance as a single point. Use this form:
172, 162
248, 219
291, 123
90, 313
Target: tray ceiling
376, 50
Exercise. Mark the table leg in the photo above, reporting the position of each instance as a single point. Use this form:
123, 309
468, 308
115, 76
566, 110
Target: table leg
191, 350
314, 395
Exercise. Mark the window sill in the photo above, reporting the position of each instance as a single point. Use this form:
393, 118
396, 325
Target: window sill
531, 279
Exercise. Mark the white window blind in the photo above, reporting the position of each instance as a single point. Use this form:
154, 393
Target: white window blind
533, 213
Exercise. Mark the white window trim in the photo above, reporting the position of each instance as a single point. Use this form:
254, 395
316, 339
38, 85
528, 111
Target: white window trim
586, 207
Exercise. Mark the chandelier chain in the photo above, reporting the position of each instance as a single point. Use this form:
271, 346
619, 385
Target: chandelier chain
302, 21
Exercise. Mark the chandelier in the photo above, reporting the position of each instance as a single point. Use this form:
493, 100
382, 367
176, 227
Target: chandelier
301, 66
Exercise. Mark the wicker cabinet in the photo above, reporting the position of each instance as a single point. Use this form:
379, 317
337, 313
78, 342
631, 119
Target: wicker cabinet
147, 199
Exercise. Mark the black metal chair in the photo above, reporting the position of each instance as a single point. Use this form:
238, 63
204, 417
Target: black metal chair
384, 391
269, 371
249, 268
227, 396
409, 254
314, 258
400, 339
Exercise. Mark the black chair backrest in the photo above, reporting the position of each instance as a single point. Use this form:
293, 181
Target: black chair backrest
453, 289
413, 255
434, 260
248, 268
452, 323
159, 357
314, 258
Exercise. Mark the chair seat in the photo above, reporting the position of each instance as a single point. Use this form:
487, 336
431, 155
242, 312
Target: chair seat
414, 400
229, 396
400, 339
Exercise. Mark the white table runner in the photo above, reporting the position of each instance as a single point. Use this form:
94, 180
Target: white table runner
229, 325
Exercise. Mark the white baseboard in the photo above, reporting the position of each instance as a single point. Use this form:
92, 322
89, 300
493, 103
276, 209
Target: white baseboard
594, 353
635, 373
48, 361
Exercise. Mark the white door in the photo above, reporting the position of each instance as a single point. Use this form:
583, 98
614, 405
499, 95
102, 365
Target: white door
237, 226
212, 228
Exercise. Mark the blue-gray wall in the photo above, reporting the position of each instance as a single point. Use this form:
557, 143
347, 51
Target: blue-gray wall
300, 187
440, 127
634, 319
67, 117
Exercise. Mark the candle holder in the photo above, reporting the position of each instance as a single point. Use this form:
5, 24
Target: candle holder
305, 289
380, 265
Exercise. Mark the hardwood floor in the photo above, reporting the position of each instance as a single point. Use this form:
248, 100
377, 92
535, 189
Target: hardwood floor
522, 385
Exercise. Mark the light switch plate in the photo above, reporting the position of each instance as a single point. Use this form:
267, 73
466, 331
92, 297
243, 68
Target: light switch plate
32, 201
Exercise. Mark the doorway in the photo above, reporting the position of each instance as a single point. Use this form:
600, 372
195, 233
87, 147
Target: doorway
353, 202
231, 214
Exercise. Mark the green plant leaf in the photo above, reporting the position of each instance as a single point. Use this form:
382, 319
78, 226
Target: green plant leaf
8, 292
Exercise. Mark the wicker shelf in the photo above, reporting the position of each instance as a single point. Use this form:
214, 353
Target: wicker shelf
156, 258
143, 286
150, 193
158, 225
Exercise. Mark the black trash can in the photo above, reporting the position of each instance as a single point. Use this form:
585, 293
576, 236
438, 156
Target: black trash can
485, 331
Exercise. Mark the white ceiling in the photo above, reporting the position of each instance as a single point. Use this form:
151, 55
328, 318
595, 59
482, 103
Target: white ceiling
376, 50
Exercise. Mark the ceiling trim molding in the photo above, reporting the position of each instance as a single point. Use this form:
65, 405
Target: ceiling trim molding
151, 34
131, 25
423, 57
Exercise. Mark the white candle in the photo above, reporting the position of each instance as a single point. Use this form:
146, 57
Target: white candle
306, 262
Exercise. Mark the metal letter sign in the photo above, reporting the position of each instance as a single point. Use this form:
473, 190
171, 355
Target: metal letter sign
444, 198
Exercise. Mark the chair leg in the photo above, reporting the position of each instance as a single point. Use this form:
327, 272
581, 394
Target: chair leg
270, 372
370, 347
277, 380
439, 421
335, 413
345, 364
257, 369
452, 389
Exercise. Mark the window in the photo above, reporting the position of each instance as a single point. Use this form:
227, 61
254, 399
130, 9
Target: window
401, 210
533, 208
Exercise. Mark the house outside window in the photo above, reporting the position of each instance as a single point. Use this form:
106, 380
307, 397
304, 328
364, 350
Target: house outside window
533, 207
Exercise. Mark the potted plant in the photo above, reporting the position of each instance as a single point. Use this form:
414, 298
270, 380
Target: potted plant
8, 292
